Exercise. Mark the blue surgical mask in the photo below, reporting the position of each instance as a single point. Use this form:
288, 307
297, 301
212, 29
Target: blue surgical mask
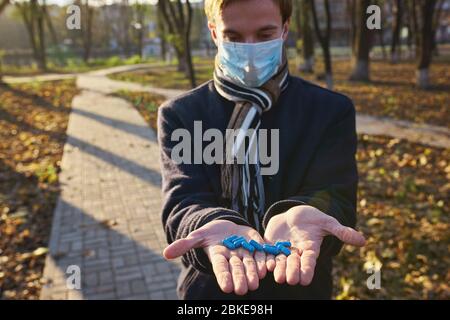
250, 64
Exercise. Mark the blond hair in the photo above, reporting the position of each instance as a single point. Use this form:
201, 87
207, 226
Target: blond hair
213, 7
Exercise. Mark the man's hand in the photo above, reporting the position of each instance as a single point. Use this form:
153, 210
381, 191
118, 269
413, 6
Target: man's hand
305, 227
236, 270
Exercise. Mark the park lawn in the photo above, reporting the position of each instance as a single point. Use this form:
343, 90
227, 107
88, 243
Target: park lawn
33, 122
391, 93
147, 104
75, 66
168, 76
403, 209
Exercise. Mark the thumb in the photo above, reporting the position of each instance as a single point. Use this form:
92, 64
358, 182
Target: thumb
345, 234
181, 246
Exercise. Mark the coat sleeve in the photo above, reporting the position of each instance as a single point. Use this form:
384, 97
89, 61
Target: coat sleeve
331, 180
189, 202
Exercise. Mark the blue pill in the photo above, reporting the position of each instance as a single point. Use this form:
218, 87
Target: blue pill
240, 243
237, 242
271, 249
284, 250
247, 246
256, 245
238, 239
228, 244
232, 238
284, 243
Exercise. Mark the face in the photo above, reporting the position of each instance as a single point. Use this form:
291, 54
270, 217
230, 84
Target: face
249, 21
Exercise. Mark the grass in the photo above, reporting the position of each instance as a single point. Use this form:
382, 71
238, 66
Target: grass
147, 104
75, 65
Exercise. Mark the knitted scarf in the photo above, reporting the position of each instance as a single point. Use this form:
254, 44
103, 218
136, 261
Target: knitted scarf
242, 183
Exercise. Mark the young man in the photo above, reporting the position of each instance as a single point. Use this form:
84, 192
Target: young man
310, 197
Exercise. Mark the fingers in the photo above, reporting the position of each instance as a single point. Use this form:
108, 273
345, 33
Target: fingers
293, 268
345, 234
270, 262
280, 269
250, 271
260, 258
307, 266
180, 247
238, 274
223, 275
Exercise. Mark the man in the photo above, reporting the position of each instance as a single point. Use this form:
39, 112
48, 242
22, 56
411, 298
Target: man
311, 198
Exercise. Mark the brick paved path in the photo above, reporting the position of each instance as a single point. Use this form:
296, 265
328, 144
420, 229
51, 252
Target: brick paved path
107, 218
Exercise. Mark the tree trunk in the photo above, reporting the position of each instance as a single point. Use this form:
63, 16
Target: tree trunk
125, 22
42, 63
141, 32
304, 27
178, 22
352, 21
396, 29
187, 43
33, 18
3, 5
162, 33
436, 21
361, 48
87, 31
426, 10
324, 40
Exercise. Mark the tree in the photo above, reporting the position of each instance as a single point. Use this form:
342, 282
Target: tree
124, 29
380, 32
87, 14
361, 43
303, 23
178, 19
424, 11
3, 5
140, 11
324, 39
398, 10
436, 21
33, 16
162, 33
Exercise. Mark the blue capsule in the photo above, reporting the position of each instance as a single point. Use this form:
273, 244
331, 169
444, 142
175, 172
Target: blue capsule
229, 244
238, 239
232, 238
284, 250
283, 243
256, 245
247, 246
271, 249
238, 242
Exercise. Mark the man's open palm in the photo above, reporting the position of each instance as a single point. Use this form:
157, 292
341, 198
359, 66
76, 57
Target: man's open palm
305, 227
236, 270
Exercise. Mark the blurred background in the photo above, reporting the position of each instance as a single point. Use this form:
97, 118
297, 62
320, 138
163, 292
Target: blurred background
144, 52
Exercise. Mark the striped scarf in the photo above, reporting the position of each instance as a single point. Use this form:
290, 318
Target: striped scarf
242, 183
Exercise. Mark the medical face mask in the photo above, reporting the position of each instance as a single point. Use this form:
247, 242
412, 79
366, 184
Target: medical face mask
250, 64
